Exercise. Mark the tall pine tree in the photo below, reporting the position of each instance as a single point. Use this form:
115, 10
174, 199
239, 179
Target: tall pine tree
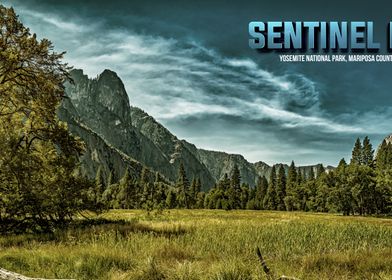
183, 197
356, 157
270, 198
367, 152
261, 191
281, 188
291, 187
234, 192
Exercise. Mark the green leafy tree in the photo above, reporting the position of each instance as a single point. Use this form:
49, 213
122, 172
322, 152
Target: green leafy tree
384, 178
344, 195
361, 179
324, 184
38, 155
384, 190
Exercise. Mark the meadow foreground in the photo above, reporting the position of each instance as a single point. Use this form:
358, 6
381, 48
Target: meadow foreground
207, 244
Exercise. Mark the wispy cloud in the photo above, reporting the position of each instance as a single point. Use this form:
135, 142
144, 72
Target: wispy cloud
53, 20
175, 79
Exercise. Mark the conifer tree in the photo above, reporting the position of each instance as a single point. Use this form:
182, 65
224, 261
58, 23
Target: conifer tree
183, 188
146, 195
109, 180
300, 177
292, 187
171, 199
281, 188
126, 195
159, 194
198, 185
320, 170
234, 192
200, 200
110, 193
382, 156
291, 178
310, 176
95, 192
193, 193
99, 183
356, 157
224, 183
244, 196
270, 197
261, 190
144, 176
367, 152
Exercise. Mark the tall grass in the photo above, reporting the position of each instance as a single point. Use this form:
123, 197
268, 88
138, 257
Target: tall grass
207, 244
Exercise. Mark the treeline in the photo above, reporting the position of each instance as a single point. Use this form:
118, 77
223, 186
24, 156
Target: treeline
361, 187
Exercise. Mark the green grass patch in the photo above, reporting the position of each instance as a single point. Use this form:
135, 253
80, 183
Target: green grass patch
206, 244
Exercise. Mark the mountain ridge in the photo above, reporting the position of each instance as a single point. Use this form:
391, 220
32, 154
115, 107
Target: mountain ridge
101, 106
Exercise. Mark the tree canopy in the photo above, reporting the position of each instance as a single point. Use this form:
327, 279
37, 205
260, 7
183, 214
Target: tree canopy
38, 155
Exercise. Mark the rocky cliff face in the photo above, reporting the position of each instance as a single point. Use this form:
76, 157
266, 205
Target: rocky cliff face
102, 106
118, 135
98, 153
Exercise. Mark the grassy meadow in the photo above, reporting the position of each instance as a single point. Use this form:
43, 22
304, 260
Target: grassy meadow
206, 244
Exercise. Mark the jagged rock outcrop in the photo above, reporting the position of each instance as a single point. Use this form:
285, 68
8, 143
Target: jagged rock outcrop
118, 135
98, 152
102, 106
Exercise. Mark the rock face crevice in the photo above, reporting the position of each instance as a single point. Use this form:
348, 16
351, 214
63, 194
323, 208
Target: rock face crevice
120, 136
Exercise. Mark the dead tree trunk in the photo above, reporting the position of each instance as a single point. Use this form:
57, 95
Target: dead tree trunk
9, 275
267, 270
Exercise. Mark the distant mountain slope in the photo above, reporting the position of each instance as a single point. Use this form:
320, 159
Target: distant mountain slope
119, 135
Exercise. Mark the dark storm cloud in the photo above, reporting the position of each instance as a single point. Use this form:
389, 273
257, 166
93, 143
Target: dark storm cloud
189, 66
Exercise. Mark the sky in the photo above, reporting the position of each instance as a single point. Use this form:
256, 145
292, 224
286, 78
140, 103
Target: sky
188, 64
